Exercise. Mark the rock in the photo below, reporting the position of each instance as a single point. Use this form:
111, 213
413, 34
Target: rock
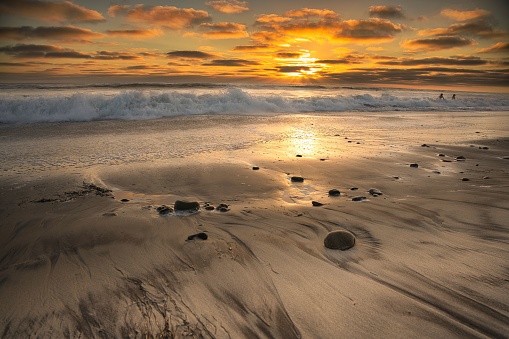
298, 156
256, 168
460, 158
414, 165
374, 192
339, 240
445, 160
485, 147
437, 172
164, 210
354, 189
200, 235
441, 155
334, 192
358, 198
486, 177
181, 205
223, 208
316, 203
209, 208
465, 179
124, 200
297, 179
396, 177
425, 145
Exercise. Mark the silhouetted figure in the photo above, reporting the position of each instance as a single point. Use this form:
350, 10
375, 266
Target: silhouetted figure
454, 97
441, 96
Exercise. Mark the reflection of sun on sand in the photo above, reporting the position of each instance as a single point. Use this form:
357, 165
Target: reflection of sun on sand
430, 250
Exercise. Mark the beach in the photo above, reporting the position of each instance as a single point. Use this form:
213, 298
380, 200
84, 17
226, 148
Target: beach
88, 251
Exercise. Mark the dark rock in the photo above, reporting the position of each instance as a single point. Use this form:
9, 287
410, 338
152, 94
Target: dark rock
223, 208
164, 210
414, 165
465, 179
425, 145
485, 147
445, 160
353, 189
460, 158
358, 198
200, 235
124, 200
486, 177
110, 214
299, 156
334, 192
339, 240
186, 205
297, 179
210, 208
323, 159
256, 168
441, 155
437, 172
395, 178
316, 203
374, 192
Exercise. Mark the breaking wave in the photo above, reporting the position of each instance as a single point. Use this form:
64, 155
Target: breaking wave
142, 103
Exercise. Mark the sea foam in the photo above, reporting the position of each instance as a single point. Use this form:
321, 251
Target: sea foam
91, 103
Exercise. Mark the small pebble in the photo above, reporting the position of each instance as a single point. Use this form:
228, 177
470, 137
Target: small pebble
358, 198
256, 168
334, 192
414, 165
316, 203
297, 179
465, 179
124, 200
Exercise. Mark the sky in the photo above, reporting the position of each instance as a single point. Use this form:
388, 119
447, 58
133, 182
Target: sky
415, 43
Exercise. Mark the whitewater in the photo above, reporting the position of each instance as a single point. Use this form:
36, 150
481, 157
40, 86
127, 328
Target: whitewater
58, 103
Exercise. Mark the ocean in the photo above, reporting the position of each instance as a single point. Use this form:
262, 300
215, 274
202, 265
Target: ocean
36, 103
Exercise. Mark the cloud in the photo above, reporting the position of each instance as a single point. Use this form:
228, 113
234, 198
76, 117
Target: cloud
247, 48
231, 63
134, 33
454, 61
288, 55
49, 33
307, 13
499, 47
110, 55
386, 12
370, 30
439, 43
41, 51
333, 61
223, 30
481, 29
165, 16
49, 11
190, 55
271, 18
465, 15
228, 6
293, 69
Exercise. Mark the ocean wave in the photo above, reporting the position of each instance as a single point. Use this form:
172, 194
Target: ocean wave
150, 103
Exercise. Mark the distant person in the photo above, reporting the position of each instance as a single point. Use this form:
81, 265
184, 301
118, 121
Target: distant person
441, 96
454, 97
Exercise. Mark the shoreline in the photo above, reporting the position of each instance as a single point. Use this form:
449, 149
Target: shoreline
430, 257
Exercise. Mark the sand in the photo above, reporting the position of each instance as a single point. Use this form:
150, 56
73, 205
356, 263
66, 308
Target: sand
431, 253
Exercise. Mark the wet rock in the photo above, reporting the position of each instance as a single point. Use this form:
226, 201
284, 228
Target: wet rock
124, 200
297, 179
181, 205
414, 165
201, 235
445, 160
354, 189
256, 168
164, 210
461, 158
334, 192
359, 198
299, 156
339, 240
374, 192
316, 203
223, 208
441, 155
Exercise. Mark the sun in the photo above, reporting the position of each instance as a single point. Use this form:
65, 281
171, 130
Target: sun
303, 66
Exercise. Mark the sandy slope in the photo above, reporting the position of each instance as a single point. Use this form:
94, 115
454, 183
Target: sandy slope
431, 254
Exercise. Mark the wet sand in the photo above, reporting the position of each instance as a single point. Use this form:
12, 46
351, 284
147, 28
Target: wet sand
431, 253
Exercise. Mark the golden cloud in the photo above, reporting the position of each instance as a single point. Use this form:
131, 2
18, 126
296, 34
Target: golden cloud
49, 11
386, 12
135, 33
499, 47
465, 15
228, 6
165, 16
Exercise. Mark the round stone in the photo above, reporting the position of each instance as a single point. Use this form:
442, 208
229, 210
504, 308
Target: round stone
339, 240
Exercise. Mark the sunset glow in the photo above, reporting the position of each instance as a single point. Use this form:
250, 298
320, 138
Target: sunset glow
440, 43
